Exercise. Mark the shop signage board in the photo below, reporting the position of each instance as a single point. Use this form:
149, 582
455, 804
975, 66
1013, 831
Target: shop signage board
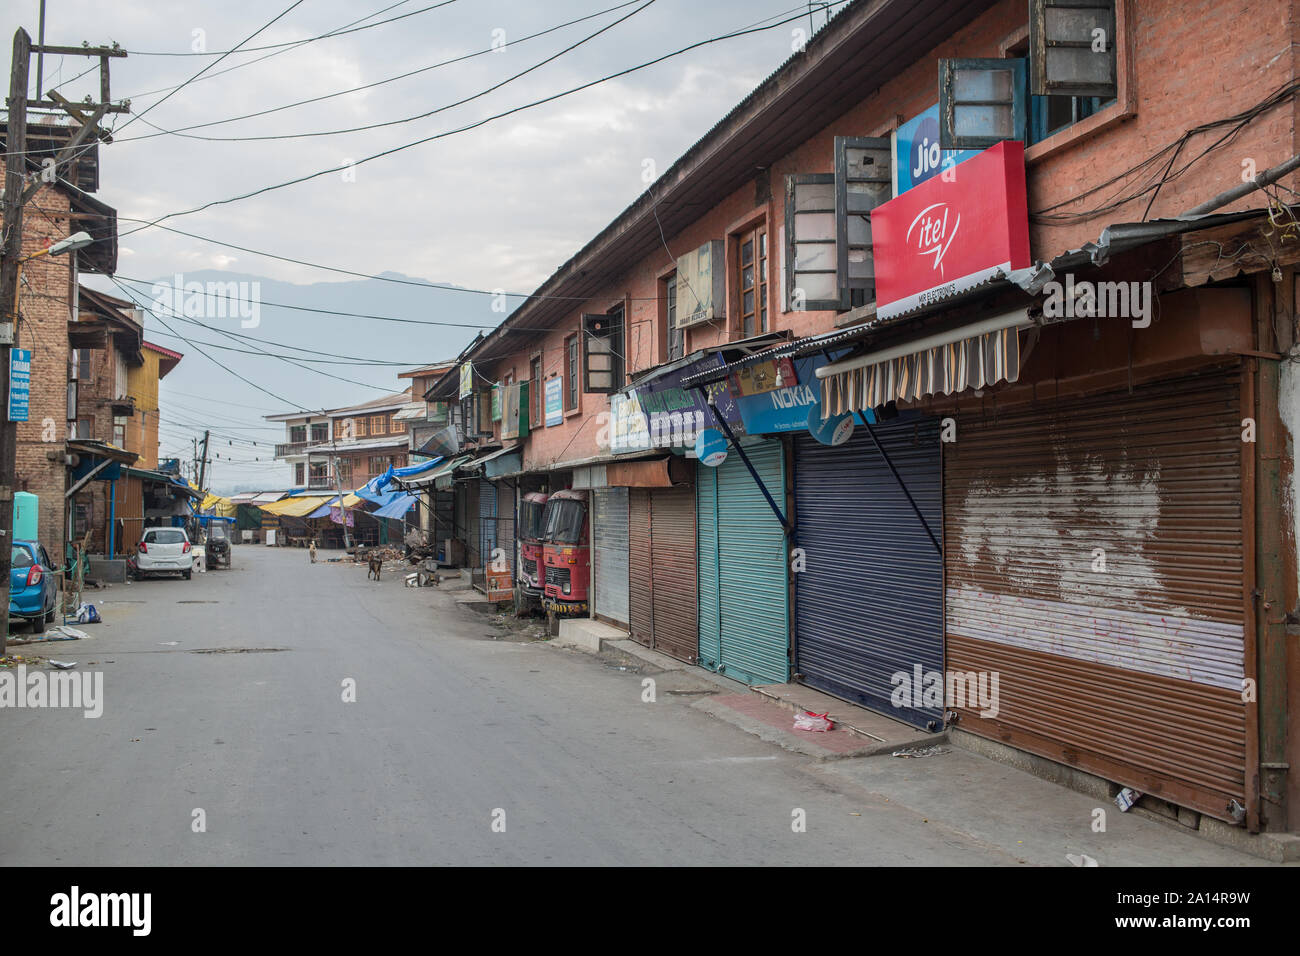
466, 380
20, 384
554, 393
952, 233
662, 414
785, 409
917, 156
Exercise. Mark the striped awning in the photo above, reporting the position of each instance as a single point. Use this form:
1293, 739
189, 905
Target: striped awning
974, 357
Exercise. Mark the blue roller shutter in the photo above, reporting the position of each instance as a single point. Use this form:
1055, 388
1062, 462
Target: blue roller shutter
869, 601
743, 581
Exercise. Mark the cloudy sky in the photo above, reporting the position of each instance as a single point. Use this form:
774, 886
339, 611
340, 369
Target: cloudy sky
499, 206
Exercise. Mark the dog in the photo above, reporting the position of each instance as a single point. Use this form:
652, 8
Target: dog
376, 565
311, 549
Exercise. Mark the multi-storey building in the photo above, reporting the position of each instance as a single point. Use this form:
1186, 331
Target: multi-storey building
984, 311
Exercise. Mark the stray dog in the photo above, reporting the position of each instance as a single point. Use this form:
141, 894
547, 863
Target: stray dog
311, 548
376, 565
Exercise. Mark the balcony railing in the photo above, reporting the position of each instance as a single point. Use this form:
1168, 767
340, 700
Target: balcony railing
290, 448
316, 482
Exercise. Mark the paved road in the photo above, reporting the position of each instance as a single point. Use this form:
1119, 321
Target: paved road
448, 727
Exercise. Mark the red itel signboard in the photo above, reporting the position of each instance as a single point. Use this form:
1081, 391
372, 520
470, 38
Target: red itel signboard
952, 232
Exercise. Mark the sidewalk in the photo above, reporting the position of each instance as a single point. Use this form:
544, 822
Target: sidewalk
977, 798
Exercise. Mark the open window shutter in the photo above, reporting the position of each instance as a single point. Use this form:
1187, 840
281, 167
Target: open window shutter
602, 368
1072, 48
863, 180
810, 258
981, 102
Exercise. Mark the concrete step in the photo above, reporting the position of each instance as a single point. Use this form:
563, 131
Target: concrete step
587, 633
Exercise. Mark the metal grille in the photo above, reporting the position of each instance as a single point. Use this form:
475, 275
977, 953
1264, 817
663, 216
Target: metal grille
557, 576
1094, 560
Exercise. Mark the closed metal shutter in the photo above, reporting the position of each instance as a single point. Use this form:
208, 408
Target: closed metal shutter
743, 617
869, 600
1094, 561
663, 605
610, 553
640, 607
487, 521
506, 504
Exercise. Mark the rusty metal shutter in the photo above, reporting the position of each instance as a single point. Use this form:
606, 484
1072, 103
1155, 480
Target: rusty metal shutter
610, 553
869, 600
672, 559
640, 614
1133, 672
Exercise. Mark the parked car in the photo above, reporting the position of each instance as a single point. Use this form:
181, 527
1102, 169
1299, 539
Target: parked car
33, 594
162, 550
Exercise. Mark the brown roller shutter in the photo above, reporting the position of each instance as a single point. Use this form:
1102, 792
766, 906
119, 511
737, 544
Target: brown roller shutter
1132, 668
672, 513
638, 598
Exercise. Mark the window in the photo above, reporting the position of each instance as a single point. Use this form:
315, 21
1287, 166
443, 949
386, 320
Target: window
119, 431
318, 473
85, 428
299, 471
535, 391
752, 286
571, 373
676, 338
810, 258
359, 427
81, 519
297, 434
863, 180
378, 464
378, 425
603, 371
345, 472
320, 432
1071, 70
85, 365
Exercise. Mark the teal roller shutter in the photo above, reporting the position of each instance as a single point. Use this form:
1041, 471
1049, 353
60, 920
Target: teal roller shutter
706, 536
744, 616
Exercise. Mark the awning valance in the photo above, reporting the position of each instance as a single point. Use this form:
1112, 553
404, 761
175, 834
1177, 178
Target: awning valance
973, 356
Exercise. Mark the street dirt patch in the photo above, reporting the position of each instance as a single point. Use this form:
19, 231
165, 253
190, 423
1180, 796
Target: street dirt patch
238, 650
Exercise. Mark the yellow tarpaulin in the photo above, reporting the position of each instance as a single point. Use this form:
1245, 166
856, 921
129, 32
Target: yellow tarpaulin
217, 505
296, 507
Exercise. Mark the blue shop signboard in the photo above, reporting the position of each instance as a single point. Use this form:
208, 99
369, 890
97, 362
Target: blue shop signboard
917, 156
554, 401
787, 409
20, 383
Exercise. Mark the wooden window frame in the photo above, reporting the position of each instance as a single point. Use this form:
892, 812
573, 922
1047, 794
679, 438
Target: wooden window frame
300, 473
757, 232
793, 181
572, 372
618, 350
668, 316
535, 407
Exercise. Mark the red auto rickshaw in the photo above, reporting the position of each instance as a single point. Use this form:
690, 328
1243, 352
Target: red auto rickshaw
566, 558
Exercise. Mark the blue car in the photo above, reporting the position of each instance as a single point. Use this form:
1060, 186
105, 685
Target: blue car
32, 588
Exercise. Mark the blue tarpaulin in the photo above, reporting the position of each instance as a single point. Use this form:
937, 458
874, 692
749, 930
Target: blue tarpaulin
396, 508
373, 490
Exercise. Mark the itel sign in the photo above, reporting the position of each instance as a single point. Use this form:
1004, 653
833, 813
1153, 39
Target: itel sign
952, 232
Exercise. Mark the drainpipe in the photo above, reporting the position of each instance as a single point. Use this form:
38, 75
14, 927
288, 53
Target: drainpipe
112, 515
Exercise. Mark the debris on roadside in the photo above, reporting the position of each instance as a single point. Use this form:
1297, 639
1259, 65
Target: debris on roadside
59, 632
920, 751
807, 720
62, 665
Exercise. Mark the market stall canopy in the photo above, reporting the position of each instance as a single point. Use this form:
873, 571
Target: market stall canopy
373, 490
439, 477
300, 506
349, 501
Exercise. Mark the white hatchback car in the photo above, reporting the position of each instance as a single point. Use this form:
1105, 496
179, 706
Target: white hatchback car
164, 549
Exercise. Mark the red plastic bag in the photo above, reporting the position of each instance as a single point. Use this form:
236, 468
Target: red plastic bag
810, 721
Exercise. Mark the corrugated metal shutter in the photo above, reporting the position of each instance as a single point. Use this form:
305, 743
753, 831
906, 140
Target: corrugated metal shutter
869, 600
487, 521
743, 584
640, 610
672, 529
1133, 672
610, 553
506, 503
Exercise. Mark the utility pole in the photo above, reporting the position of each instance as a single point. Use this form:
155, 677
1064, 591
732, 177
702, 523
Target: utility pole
17, 193
338, 480
203, 463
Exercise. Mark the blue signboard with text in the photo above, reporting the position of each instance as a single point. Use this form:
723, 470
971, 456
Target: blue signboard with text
554, 401
917, 156
786, 409
20, 383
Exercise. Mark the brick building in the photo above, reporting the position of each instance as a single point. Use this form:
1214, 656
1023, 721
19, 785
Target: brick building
753, 288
